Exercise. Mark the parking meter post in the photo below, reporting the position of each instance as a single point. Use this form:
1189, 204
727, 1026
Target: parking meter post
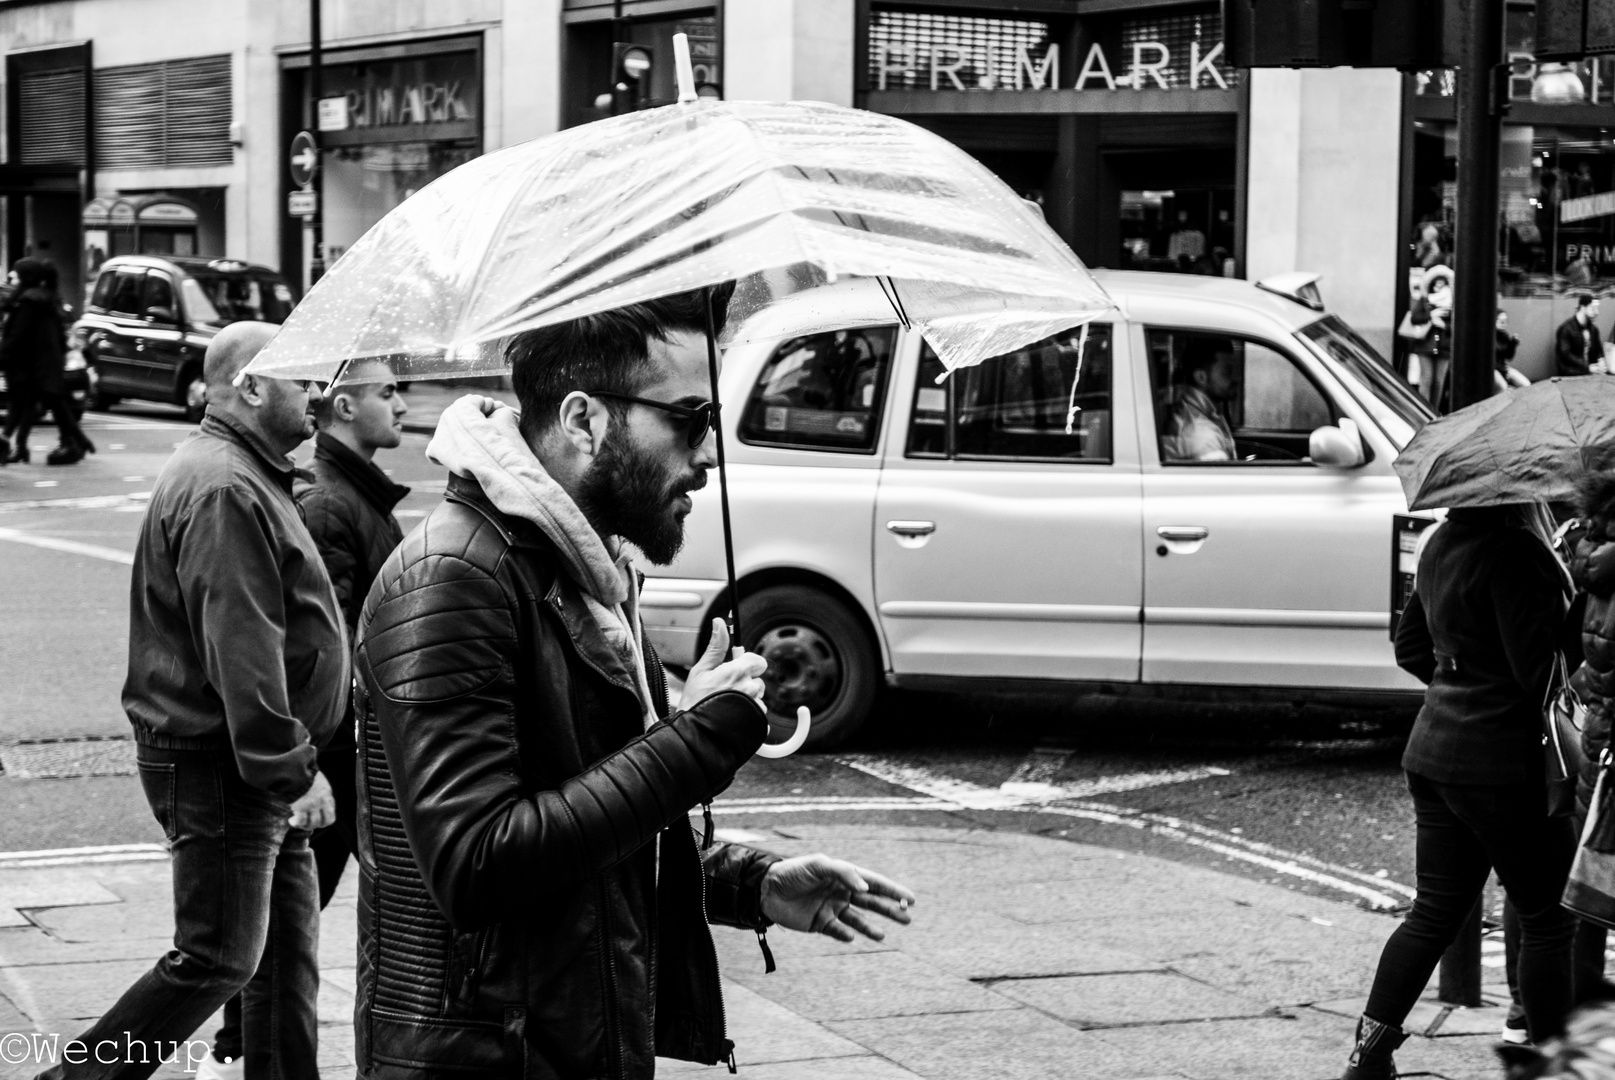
1482, 97
1460, 966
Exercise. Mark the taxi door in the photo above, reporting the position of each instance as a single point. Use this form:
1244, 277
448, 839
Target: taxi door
1260, 568
1007, 525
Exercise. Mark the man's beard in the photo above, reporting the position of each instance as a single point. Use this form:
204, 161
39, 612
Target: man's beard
627, 493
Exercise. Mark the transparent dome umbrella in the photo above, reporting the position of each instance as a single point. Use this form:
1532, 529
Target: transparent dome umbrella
1525, 445
779, 197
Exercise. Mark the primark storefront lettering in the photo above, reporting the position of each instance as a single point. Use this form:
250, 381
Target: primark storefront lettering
1150, 65
423, 103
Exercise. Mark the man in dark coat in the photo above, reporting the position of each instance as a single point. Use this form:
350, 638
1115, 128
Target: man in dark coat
533, 902
347, 504
1577, 344
238, 670
33, 352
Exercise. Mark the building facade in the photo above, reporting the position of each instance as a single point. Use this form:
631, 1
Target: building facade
165, 125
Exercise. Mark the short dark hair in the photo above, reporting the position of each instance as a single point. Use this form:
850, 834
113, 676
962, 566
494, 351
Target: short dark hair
1583, 299
605, 352
1200, 353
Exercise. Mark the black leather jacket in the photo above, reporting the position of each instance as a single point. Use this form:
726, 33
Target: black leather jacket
532, 901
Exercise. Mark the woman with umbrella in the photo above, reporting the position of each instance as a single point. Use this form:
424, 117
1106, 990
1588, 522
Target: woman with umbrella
33, 349
1482, 631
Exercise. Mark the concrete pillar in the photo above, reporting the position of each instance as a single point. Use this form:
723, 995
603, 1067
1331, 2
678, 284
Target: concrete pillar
529, 72
1325, 148
788, 50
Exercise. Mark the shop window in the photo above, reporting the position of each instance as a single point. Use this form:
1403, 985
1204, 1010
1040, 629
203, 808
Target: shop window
1018, 407
822, 392
1225, 399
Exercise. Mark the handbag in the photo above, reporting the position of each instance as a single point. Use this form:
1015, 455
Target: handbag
1563, 717
1590, 890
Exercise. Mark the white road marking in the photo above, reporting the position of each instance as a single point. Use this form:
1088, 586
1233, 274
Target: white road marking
975, 797
85, 502
104, 853
45, 483
130, 423
72, 547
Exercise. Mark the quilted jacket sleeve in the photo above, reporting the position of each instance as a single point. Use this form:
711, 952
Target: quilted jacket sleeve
735, 885
437, 660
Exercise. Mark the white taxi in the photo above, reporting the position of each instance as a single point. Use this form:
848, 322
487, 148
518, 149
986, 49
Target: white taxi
1021, 524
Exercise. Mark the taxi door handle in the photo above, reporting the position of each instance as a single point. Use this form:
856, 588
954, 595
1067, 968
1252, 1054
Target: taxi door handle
912, 528
1187, 534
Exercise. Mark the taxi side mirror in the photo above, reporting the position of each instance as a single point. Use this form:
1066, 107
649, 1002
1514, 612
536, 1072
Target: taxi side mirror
1337, 447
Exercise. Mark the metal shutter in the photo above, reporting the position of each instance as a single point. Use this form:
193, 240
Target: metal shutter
51, 115
170, 114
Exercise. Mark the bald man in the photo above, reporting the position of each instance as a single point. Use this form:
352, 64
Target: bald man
238, 673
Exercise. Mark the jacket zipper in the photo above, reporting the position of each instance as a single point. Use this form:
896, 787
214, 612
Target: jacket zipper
717, 969
609, 943
473, 975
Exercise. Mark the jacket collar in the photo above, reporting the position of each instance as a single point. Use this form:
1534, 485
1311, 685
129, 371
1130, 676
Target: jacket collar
221, 425
370, 481
563, 596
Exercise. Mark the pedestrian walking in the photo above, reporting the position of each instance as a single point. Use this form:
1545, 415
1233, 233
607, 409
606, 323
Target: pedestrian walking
238, 670
536, 902
1481, 631
33, 352
347, 505
1577, 345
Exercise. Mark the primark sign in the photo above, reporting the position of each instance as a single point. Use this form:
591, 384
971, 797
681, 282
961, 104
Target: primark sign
1139, 65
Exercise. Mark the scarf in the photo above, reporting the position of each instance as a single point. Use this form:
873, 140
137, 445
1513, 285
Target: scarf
478, 438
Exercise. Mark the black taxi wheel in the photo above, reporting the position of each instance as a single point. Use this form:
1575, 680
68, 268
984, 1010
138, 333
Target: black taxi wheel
819, 655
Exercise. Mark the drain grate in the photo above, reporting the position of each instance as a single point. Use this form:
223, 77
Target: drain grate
60, 759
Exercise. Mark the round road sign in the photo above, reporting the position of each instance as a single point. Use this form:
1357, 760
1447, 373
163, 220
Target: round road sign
305, 158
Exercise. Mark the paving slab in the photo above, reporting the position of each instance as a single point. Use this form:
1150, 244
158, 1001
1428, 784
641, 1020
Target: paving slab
69, 994
1145, 997
842, 1068
29, 945
981, 945
1018, 1044
868, 985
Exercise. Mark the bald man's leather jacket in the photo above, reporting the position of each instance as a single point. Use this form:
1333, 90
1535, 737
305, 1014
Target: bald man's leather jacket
532, 900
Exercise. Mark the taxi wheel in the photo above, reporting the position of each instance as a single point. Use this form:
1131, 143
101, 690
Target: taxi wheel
818, 654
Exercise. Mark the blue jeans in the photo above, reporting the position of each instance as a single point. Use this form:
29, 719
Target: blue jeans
1464, 832
246, 918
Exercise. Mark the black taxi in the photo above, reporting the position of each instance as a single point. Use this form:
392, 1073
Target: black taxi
149, 320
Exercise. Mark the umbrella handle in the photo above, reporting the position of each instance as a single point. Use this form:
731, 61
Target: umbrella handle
804, 721
686, 71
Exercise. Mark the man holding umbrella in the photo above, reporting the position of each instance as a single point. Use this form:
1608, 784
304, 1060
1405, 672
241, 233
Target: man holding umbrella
534, 901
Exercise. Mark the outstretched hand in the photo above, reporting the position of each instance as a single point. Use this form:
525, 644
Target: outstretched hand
820, 895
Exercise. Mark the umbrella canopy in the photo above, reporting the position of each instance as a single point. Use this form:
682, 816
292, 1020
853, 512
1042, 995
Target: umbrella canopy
1527, 445
777, 196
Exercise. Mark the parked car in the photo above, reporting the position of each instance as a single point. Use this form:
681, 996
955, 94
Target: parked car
150, 318
1016, 524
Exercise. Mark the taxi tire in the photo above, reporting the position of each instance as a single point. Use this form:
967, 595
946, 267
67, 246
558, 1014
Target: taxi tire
782, 609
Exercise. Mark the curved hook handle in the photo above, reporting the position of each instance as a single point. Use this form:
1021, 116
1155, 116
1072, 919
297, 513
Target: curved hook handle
804, 721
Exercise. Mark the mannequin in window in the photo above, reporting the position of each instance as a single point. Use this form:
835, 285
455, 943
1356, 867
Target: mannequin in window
1196, 429
1187, 242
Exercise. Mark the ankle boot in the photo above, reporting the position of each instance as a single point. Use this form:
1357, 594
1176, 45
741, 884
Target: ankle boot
64, 455
1371, 1059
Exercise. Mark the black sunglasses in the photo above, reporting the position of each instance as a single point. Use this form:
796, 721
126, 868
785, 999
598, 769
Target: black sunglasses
698, 417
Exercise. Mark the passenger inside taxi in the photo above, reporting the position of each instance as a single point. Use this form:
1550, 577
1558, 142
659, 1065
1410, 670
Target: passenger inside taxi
1196, 428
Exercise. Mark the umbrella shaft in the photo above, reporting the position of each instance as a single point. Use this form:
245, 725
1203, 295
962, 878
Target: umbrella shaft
723, 473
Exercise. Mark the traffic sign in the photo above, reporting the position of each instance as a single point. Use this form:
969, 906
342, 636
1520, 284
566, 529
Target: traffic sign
305, 158
302, 204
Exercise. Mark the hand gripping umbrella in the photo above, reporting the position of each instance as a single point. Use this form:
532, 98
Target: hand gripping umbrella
776, 196
1526, 445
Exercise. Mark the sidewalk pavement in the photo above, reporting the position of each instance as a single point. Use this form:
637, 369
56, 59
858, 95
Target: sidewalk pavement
427, 400
1029, 958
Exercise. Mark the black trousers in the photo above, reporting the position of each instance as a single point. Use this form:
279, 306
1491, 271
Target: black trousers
1464, 832
25, 406
331, 846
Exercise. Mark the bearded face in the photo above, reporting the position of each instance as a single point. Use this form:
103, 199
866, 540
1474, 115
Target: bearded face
628, 492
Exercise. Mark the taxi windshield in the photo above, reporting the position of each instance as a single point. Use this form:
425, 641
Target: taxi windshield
1396, 409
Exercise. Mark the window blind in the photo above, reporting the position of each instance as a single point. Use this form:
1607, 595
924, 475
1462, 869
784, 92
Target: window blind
172, 114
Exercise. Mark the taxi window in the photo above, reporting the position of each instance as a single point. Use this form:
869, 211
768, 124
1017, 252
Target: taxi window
1016, 407
158, 292
1231, 400
124, 295
822, 392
